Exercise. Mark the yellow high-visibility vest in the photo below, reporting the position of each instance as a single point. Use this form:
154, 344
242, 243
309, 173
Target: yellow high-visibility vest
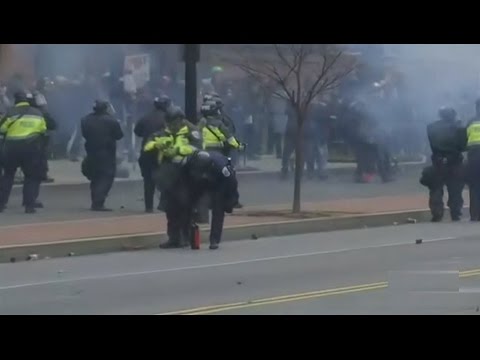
473, 134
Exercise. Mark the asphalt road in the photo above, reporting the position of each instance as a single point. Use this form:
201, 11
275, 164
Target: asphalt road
73, 202
325, 273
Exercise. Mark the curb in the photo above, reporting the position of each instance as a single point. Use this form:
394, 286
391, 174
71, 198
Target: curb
102, 245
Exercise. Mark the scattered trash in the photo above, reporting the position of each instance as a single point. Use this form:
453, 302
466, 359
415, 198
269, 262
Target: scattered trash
254, 237
60, 272
71, 254
12, 259
395, 223
418, 241
239, 282
32, 257
122, 207
411, 221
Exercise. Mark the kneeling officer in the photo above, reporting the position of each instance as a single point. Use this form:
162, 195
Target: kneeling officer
214, 174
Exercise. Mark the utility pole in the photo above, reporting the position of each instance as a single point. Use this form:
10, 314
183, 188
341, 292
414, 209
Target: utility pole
191, 55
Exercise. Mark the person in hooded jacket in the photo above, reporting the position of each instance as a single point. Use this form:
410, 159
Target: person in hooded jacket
151, 123
101, 132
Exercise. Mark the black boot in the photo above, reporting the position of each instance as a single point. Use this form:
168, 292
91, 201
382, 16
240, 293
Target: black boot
100, 208
214, 244
30, 210
456, 216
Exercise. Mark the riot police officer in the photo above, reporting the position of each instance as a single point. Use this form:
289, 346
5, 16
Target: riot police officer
473, 162
101, 132
145, 127
447, 141
217, 100
23, 129
213, 173
216, 135
173, 146
37, 100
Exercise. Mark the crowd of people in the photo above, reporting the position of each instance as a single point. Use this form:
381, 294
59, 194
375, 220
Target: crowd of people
186, 162
233, 116
362, 125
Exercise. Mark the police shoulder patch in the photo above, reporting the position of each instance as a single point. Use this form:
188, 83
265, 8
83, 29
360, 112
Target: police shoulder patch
226, 172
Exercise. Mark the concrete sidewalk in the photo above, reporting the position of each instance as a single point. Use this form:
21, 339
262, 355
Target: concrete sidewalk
66, 172
58, 231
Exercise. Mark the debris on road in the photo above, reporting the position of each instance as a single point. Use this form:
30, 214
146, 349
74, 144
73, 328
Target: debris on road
411, 221
254, 237
32, 257
418, 241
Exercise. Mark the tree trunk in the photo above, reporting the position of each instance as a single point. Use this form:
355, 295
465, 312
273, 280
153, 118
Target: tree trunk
299, 165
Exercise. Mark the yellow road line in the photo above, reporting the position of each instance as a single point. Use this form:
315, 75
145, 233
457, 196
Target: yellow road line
205, 310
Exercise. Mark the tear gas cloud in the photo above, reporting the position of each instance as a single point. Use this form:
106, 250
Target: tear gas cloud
406, 84
428, 76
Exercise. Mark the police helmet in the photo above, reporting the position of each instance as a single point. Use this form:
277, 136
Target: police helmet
447, 113
207, 97
199, 165
210, 108
174, 113
162, 102
101, 105
20, 96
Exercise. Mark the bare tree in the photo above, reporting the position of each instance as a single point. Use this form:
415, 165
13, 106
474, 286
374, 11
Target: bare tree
300, 73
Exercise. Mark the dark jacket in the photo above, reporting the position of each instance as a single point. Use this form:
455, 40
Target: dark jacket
149, 124
101, 132
447, 139
49, 120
